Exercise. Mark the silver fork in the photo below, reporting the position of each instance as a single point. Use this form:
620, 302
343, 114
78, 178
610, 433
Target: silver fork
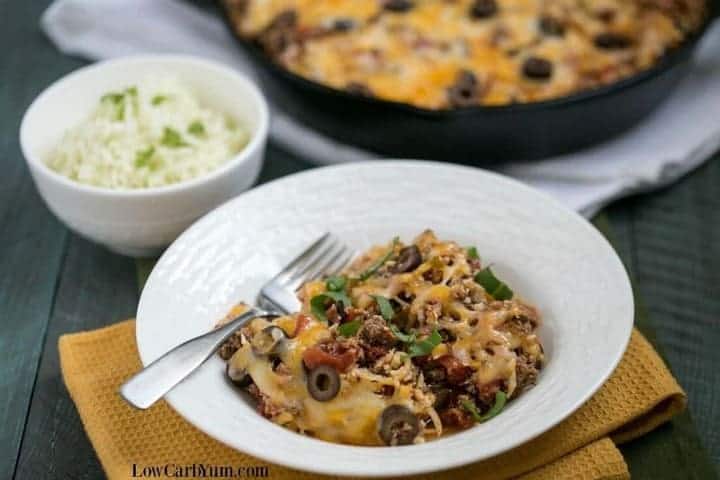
326, 256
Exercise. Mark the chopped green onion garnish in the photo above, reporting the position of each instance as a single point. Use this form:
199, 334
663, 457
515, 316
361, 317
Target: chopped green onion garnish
471, 409
142, 157
472, 253
403, 337
319, 303
120, 114
350, 328
386, 310
118, 99
158, 99
317, 307
196, 128
336, 283
424, 347
172, 139
500, 400
113, 97
376, 266
494, 287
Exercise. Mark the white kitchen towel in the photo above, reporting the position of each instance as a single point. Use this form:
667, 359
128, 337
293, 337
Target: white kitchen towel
676, 138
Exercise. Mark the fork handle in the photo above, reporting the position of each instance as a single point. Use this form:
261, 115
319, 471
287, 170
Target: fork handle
154, 381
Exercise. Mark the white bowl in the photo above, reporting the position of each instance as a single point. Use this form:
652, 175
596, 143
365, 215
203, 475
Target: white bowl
550, 256
141, 222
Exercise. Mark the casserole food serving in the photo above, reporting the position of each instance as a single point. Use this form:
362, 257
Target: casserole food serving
409, 343
549, 256
474, 81
447, 54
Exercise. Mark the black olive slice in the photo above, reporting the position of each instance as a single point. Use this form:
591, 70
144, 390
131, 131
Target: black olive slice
483, 9
537, 68
408, 260
465, 91
343, 24
398, 5
323, 383
398, 425
238, 376
269, 340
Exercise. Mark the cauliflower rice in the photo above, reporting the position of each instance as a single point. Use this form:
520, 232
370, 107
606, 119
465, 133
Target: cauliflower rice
151, 134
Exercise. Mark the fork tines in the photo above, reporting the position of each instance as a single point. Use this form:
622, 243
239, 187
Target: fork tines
326, 256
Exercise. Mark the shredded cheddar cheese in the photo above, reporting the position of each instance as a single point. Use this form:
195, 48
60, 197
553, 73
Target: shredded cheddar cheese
440, 341
444, 54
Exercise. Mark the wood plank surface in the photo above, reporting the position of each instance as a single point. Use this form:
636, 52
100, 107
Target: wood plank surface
31, 240
671, 241
674, 448
96, 288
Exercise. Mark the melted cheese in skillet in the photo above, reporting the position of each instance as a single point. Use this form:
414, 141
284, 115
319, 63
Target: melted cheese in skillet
414, 56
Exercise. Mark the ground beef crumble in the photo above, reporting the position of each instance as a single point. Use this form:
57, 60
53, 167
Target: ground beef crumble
264, 406
376, 339
527, 371
230, 346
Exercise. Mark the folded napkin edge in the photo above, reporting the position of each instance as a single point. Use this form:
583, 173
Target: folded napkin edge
652, 418
72, 383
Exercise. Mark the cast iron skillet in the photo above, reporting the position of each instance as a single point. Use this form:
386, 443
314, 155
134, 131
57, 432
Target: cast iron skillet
476, 135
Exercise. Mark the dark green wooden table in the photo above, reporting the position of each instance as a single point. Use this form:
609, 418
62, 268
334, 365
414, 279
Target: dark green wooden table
53, 282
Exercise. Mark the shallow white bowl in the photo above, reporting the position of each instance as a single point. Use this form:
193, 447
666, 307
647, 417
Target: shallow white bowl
141, 222
548, 254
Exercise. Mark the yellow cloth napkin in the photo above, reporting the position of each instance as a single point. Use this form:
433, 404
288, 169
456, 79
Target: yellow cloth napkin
640, 395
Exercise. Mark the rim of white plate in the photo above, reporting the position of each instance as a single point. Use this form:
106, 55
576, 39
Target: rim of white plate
314, 455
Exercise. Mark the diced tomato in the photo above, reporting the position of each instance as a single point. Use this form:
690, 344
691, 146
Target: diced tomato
456, 418
333, 354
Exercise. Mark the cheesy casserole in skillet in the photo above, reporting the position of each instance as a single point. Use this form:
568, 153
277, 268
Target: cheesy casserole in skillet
408, 343
440, 54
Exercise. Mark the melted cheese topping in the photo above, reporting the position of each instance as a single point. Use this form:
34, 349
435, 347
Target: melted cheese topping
414, 56
351, 417
481, 342
439, 294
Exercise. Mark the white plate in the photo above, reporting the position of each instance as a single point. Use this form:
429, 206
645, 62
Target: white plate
548, 254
